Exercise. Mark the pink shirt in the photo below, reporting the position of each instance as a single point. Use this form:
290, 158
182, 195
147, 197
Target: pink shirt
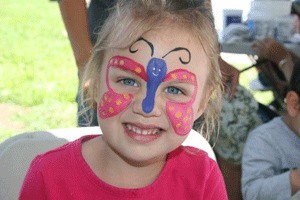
64, 174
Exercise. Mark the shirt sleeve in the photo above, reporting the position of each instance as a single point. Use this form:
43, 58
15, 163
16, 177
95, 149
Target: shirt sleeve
215, 187
33, 185
261, 176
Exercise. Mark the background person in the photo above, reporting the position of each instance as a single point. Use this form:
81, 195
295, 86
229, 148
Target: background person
274, 73
271, 164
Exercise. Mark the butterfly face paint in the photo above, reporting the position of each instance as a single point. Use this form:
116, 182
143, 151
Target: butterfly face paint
181, 115
111, 102
156, 71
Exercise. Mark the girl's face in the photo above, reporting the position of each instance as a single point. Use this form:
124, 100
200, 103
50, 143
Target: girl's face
150, 93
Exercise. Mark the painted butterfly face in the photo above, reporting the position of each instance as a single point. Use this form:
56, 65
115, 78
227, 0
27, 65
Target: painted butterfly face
180, 114
154, 74
177, 94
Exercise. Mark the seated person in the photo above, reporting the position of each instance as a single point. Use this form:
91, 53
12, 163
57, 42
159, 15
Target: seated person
274, 73
270, 163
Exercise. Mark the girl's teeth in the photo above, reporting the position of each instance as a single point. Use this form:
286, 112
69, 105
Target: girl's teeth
142, 132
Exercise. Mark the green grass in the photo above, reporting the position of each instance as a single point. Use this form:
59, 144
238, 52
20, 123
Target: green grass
38, 72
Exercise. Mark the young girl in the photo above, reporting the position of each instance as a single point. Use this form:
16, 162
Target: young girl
152, 73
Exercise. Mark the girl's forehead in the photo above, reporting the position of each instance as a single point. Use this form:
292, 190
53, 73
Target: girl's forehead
178, 47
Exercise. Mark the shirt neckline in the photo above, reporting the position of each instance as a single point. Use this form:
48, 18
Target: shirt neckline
86, 171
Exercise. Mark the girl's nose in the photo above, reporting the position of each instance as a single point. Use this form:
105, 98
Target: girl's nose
138, 107
156, 72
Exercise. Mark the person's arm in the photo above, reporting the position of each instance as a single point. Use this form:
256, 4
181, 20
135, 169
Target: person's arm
214, 186
260, 177
277, 53
74, 14
33, 185
230, 75
208, 4
295, 180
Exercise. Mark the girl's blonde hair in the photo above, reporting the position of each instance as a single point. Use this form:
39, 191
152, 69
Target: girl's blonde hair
130, 19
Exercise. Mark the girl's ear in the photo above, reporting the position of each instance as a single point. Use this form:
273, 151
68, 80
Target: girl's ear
204, 102
292, 103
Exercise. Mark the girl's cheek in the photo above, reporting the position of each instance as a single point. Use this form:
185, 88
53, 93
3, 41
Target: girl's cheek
113, 103
180, 114
181, 117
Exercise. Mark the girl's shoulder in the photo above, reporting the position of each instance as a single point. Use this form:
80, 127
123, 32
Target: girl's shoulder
69, 151
190, 157
189, 152
194, 166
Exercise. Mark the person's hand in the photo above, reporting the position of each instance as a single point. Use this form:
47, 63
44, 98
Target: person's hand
270, 49
230, 76
295, 180
275, 52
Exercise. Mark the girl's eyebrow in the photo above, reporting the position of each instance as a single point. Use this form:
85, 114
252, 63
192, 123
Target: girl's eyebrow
127, 64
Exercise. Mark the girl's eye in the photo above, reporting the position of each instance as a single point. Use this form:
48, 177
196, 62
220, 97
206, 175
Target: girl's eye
173, 90
129, 82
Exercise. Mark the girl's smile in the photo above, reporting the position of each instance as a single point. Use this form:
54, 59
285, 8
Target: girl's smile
142, 133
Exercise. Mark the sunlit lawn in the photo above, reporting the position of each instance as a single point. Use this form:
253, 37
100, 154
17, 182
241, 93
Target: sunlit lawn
38, 74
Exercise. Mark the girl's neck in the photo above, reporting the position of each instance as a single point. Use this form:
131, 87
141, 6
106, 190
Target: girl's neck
116, 171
